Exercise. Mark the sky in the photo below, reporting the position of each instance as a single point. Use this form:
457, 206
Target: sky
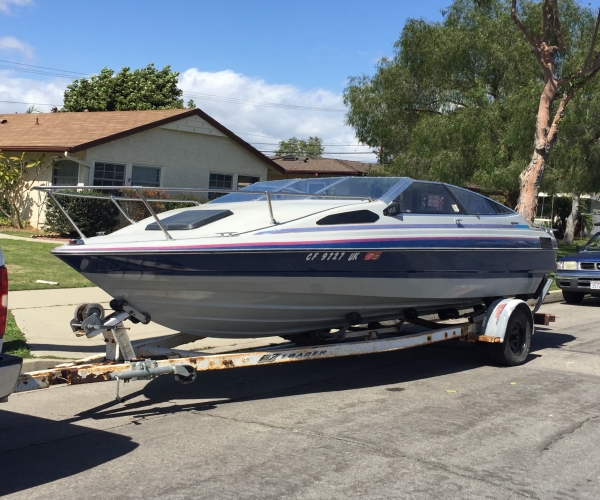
248, 64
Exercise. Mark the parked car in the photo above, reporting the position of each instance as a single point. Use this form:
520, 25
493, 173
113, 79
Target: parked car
10, 366
578, 274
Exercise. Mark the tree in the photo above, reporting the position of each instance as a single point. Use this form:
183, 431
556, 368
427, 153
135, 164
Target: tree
17, 176
565, 72
141, 89
573, 166
455, 102
300, 147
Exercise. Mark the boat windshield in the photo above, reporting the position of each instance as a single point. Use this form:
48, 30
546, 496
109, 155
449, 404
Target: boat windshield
360, 187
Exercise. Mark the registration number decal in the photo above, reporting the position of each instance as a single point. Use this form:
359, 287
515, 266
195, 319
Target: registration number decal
347, 256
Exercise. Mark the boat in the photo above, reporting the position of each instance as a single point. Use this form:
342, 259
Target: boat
294, 256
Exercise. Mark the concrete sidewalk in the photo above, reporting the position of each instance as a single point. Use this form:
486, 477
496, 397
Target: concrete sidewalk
41, 239
44, 315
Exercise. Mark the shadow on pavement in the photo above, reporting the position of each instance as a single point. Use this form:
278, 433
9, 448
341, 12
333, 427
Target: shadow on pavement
32, 450
220, 387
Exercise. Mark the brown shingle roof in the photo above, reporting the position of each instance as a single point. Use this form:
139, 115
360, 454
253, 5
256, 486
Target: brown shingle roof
320, 165
72, 132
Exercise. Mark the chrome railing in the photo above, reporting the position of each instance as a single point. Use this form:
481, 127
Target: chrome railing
69, 191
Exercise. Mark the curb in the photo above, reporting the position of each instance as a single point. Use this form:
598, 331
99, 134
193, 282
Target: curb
37, 364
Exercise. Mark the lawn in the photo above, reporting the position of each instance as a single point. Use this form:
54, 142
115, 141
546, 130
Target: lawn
28, 261
14, 341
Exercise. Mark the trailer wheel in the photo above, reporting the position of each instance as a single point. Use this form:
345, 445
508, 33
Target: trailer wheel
517, 341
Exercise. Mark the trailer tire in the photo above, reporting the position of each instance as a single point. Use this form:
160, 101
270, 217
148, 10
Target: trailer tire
517, 341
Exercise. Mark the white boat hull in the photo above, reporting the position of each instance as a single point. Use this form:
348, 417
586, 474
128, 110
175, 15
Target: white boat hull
251, 306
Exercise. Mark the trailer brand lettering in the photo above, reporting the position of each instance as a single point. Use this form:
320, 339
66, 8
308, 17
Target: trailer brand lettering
267, 358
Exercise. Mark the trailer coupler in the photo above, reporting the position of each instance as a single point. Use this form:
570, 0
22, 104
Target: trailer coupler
148, 370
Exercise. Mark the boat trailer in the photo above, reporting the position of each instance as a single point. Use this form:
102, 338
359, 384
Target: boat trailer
506, 326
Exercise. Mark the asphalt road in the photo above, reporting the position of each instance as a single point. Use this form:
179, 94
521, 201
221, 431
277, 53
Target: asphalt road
433, 422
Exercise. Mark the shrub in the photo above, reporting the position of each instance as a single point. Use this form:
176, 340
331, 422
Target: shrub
91, 215
137, 210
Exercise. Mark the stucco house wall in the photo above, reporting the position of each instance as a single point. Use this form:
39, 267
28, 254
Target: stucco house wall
186, 157
186, 151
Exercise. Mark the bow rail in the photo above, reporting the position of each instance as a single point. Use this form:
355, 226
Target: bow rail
70, 191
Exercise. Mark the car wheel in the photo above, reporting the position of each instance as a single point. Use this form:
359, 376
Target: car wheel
517, 341
573, 297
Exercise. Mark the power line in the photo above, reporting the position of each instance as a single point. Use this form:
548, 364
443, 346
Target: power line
185, 93
235, 100
42, 67
39, 103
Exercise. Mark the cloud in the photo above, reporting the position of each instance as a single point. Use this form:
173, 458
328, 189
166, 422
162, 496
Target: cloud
22, 92
13, 44
251, 121
5, 5
261, 126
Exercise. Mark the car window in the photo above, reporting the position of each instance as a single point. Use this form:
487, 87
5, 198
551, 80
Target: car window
593, 245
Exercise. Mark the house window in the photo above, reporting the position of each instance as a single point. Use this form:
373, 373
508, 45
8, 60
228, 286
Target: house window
219, 181
109, 174
65, 173
145, 176
246, 180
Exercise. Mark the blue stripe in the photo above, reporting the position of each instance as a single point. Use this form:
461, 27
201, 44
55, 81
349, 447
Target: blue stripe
393, 226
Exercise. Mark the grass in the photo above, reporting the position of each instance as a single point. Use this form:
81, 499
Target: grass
14, 341
28, 261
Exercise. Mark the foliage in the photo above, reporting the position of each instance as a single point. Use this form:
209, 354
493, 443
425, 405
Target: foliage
457, 102
313, 146
141, 89
191, 104
17, 176
29, 261
137, 211
91, 215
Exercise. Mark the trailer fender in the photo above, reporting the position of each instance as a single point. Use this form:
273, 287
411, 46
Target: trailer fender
498, 314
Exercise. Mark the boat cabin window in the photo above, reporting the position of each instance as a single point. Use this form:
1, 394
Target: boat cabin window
473, 203
355, 217
427, 198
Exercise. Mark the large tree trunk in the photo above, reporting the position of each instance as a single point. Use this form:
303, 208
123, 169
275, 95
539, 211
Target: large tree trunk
529, 183
572, 221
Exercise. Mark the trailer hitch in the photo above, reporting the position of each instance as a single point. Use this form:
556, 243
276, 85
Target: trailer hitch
148, 370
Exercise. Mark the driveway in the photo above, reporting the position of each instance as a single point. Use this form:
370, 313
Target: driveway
438, 421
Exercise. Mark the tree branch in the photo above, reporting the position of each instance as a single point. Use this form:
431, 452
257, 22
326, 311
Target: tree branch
423, 110
557, 26
516, 20
590, 56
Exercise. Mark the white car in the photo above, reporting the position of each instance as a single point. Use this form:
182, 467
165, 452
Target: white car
10, 366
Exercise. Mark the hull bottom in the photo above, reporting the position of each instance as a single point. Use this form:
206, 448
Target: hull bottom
259, 306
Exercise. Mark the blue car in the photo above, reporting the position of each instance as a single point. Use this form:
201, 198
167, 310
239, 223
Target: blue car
578, 274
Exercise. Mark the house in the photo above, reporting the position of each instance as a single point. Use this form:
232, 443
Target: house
157, 148
311, 166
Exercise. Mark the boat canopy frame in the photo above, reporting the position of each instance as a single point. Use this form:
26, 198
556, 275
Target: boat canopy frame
68, 191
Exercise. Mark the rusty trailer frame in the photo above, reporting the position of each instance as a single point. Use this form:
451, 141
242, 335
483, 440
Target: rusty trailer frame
145, 360
186, 368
